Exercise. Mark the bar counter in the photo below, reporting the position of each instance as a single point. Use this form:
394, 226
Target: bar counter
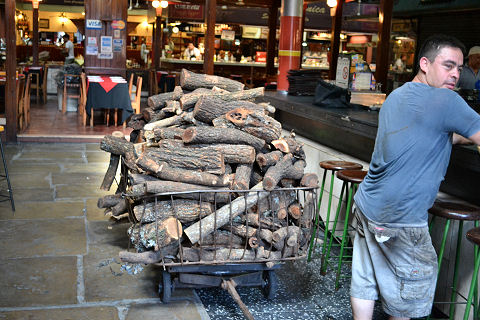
353, 132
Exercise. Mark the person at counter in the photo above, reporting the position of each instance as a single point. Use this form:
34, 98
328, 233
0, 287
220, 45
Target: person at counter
393, 256
400, 63
470, 75
191, 52
68, 49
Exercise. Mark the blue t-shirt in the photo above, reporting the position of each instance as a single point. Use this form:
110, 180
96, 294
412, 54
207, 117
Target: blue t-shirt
412, 152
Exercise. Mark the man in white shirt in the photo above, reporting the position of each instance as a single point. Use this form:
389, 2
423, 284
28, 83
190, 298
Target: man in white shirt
70, 55
191, 53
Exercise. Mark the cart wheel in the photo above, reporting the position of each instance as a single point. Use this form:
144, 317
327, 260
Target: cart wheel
270, 284
166, 287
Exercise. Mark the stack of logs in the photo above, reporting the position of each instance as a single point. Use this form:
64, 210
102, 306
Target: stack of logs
237, 188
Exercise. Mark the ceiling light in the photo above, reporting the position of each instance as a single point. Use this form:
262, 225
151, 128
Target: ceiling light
175, 29
155, 3
332, 3
163, 4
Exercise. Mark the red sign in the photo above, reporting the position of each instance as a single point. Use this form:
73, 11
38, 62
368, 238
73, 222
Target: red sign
261, 56
186, 11
118, 24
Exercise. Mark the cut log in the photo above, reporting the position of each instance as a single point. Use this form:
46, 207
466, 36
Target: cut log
256, 177
262, 253
172, 106
221, 238
296, 172
256, 123
232, 153
221, 135
168, 133
269, 109
120, 208
111, 172
309, 206
252, 219
309, 180
189, 158
151, 115
116, 145
223, 215
163, 171
188, 100
241, 230
242, 177
171, 186
184, 210
167, 122
109, 201
171, 143
269, 159
281, 235
295, 210
277, 172
156, 235
208, 108
223, 254
149, 257
158, 101
289, 145
192, 81
136, 178
136, 122
266, 235
253, 242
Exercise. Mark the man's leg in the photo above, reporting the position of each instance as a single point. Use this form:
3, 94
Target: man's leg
362, 309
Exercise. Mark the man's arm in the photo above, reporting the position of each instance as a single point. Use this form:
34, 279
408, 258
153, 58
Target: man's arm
458, 139
475, 138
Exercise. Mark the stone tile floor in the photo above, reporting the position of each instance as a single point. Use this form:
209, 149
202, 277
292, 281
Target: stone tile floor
59, 255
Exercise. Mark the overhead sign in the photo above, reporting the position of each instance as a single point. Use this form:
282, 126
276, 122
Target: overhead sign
118, 24
93, 24
186, 11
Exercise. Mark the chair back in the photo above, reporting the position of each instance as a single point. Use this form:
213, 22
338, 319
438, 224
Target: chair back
44, 83
136, 99
130, 85
26, 102
20, 101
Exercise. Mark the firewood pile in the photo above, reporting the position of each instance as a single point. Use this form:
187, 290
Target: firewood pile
208, 177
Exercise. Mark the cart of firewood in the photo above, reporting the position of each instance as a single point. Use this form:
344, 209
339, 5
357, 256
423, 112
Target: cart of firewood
221, 238
215, 193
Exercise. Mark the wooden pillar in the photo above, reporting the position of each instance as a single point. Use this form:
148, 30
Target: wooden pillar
290, 41
35, 37
272, 37
210, 17
10, 68
157, 43
383, 46
305, 5
335, 39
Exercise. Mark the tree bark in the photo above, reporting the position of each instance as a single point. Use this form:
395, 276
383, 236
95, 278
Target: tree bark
241, 230
295, 210
256, 123
109, 201
111, 172
277, 172
166, 122
307, 217
171, 186
223, 215
156, 235
116, 145
232, 153
168, 133
221, 135
163, 171
242, 177
281, 235
188, 100
309, 180
289, 145
149, 257
221, 238
223, 254
151, 115
158, 101
192, 81
137, 178
208, 108
136, 122
269, 159
184, 210
172, 106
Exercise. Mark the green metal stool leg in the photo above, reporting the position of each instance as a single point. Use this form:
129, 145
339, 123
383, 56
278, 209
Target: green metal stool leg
315, 225
442, 248
473, 284
476, 303
430, 226
327, 222
344, 237
455, 270
332, 235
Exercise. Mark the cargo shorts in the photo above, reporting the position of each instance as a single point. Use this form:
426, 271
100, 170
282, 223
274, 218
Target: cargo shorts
396, 265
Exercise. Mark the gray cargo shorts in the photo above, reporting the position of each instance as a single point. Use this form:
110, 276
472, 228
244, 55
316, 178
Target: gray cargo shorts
396, 265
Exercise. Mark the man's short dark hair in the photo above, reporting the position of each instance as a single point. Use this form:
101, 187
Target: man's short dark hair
432, 45
66, 35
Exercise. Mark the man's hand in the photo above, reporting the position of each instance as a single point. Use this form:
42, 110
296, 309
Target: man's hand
458, 139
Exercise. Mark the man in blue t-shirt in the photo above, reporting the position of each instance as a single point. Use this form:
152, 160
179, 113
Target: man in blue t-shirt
393, 256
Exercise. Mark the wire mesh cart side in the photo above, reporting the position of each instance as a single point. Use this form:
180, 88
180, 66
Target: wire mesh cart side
222, 238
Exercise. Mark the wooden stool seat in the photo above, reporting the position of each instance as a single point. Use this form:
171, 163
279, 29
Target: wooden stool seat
354, 176
474, 236
340, 165
456, 211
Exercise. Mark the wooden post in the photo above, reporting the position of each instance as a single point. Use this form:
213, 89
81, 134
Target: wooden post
384, 26
157, 42
335, 39
271, 41
10, 67
210, 17
35, 37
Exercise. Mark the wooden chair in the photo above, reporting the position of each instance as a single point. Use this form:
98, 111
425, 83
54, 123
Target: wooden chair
83, 101
138, 95
35, 84
154, 89
26, 102
66, 94
20, 103
44, 84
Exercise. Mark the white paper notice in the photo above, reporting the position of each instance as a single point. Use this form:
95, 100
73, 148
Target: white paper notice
343, 72
106, 44
92, 50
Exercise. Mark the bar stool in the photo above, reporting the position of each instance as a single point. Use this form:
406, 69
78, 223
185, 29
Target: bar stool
474, 236
351, 179
453, 211
6, 177
170, 81
330, 166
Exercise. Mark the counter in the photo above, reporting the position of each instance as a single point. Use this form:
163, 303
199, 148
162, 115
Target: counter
353, 131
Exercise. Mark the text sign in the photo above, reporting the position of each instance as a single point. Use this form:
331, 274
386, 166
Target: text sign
93, 24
